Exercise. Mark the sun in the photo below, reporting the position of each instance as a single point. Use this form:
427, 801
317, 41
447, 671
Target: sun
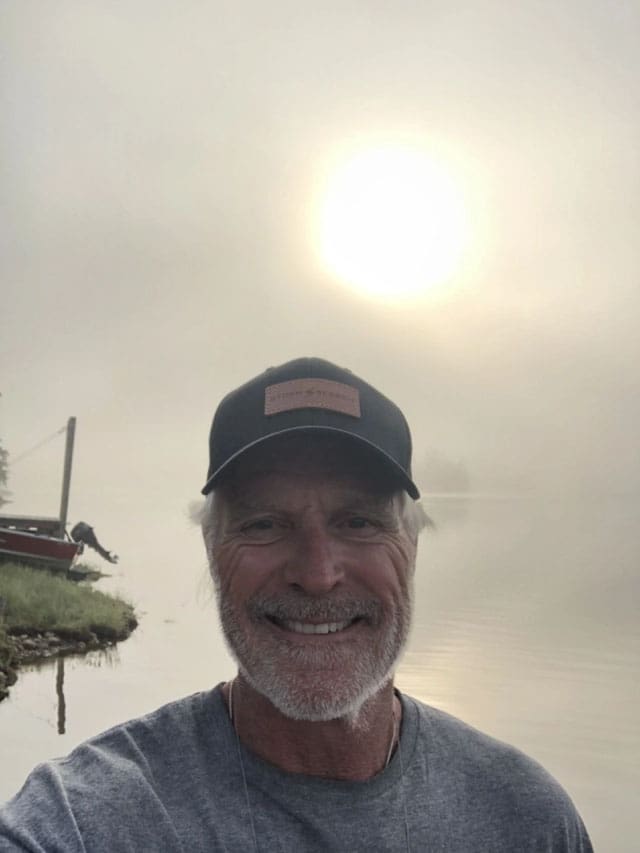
391, 222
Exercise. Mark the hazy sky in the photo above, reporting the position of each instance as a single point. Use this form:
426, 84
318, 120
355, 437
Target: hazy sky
160, 165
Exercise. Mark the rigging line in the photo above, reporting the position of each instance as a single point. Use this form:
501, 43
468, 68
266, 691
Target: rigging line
21, 456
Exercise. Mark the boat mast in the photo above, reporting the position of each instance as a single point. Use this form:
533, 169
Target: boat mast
66, 477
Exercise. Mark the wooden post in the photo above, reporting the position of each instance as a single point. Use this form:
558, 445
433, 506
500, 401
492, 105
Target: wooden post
62, 705
66, 477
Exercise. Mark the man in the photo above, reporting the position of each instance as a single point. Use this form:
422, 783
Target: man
310, 528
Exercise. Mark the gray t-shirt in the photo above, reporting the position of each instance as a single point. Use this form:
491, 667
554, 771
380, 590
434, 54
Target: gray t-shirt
173, 781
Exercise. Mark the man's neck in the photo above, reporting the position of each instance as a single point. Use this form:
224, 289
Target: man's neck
345, 748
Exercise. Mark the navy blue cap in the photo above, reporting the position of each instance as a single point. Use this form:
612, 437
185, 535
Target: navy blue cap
309, 394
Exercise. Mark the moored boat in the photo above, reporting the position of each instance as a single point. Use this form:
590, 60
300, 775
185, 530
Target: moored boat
36, 542
42, 542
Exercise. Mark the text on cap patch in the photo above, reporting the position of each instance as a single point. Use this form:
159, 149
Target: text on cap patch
311, 394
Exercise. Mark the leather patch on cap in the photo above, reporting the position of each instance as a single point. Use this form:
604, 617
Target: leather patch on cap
312, 394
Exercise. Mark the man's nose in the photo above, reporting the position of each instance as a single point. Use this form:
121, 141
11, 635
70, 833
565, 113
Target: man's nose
315, 565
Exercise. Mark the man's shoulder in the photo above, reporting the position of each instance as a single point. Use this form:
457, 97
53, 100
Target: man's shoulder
505, 799
461, 755
172, 729
136, 748
456, 738
185, 710
113, 785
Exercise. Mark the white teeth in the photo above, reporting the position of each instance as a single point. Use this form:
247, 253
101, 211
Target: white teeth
309, 628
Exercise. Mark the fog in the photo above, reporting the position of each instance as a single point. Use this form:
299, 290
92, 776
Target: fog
161, 162
162, 165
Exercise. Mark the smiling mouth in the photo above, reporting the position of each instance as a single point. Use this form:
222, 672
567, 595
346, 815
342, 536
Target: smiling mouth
313, 627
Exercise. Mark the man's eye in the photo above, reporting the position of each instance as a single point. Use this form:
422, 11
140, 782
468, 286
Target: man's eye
261, 529
358, 523
259, 524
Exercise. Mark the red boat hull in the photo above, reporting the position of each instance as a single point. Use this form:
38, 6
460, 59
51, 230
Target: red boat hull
36, 550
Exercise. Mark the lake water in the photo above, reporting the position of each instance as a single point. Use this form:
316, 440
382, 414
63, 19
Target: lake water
525, 626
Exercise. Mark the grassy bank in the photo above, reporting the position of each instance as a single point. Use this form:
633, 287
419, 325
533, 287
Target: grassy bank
35, 602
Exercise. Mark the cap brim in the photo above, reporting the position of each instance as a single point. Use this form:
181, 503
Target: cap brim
403, 478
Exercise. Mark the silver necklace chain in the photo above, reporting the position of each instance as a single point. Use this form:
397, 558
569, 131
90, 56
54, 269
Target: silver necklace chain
241, 762
394, 737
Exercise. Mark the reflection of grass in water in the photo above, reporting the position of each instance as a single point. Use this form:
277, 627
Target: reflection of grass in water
37, 601
107, 657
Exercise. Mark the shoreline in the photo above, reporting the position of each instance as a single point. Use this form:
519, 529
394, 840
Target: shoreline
43, 617
25, 646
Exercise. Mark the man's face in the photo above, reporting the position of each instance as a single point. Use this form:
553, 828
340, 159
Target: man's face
313, 572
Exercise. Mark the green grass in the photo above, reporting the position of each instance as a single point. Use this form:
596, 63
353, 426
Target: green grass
35, 600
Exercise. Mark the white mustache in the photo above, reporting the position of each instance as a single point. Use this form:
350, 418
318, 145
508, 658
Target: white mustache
301, 608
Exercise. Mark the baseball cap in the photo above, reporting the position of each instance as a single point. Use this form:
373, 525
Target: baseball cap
309, 394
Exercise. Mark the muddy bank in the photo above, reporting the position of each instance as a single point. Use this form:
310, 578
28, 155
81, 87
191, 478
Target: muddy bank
28, 646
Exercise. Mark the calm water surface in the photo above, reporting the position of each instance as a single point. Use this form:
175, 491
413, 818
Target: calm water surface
525, 626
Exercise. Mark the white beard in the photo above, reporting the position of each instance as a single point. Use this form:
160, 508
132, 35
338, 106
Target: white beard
315, 683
